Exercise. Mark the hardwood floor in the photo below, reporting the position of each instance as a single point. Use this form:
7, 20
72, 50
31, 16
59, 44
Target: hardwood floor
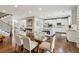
61, 46
6, 49
64, 46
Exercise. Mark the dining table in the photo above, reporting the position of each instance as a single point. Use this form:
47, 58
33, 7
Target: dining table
38, 40
48, 39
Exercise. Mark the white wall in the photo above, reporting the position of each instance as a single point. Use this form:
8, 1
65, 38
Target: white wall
38, 25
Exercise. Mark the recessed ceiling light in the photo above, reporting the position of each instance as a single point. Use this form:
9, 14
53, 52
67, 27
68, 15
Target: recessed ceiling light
4, 11
15, 6
48, 15
41, 16
30, 12
15, 21
0, 11
40, 9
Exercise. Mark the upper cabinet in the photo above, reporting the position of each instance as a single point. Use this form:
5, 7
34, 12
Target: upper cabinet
34, 24
30, 24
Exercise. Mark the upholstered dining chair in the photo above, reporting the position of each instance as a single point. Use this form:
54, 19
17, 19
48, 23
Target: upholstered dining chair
28, 44
48, 46
18, 42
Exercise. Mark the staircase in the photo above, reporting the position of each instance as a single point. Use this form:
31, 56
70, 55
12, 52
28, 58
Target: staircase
5, 28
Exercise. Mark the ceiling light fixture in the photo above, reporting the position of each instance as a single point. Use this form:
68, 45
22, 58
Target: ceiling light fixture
41, 16
30, 12
40, 9
15, 21
15, 6
4, 11
49, 16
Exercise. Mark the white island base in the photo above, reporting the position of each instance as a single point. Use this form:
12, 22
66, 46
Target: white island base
77, 45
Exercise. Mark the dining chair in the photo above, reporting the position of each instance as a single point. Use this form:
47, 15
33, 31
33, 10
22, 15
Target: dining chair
28, 44
48, 46
52, 45
18, 42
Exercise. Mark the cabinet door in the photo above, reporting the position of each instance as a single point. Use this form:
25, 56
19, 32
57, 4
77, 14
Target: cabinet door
78, 36
72, 35
39, 25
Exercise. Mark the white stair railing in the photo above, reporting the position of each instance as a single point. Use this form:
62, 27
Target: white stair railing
5, 28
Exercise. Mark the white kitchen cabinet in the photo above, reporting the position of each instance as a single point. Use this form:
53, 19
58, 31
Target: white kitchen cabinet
72, 35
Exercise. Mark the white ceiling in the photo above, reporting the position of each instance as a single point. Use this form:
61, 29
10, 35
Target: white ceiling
35, 10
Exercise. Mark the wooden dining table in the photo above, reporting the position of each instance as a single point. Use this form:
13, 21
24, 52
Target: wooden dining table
39, 41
